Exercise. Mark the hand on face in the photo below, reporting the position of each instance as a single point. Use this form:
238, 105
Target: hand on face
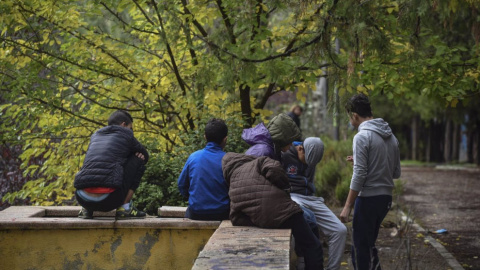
301, 153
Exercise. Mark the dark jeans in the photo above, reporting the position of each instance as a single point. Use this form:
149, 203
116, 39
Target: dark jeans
306, 241
368, 215
217, 216
132, 173
309, 217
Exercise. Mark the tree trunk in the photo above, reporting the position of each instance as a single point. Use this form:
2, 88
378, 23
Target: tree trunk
414, 134
455, 142
246, 106
427, 147
447, 153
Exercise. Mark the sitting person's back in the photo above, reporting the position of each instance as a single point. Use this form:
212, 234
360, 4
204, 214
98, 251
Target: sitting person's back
112, 169
201, 180
259, 193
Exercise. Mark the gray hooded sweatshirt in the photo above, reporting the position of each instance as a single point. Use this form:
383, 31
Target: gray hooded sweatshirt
376, 159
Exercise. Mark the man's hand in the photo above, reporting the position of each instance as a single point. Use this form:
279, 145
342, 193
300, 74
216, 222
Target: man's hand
350, 159
140, 155
345, 215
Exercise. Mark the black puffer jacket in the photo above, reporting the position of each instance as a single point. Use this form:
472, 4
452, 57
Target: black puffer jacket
106, 156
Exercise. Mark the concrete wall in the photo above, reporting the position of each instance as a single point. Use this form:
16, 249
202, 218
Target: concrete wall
33, 238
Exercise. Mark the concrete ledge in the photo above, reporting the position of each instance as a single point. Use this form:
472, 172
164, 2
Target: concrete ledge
55, 238
238, 247
172, 211
65, 217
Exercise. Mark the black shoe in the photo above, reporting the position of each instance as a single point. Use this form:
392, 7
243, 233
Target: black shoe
85, 214
133, 213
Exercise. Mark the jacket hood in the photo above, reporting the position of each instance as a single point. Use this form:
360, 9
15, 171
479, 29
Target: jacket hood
313, 150
257, 134
231, 161
283, 130
377, 125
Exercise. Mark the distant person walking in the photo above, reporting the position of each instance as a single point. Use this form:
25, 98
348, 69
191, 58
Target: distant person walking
376, 162
295, 113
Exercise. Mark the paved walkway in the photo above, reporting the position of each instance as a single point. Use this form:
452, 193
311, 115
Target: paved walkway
434, 198
447, 197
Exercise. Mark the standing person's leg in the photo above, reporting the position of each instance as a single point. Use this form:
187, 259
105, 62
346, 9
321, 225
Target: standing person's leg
384, 204
362, 229
367, 218
306, 240
334, 230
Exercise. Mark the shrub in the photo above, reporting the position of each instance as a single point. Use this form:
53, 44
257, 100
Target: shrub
333, 174
158, 185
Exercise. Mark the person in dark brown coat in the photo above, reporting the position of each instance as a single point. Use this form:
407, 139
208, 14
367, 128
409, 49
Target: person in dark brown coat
259, 193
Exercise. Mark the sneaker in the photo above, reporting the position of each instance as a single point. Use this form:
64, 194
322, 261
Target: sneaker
85, 214
131, 214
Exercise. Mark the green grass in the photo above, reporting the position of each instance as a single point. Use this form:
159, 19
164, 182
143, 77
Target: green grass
416, 163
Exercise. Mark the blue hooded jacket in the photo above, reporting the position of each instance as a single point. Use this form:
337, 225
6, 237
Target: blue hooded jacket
202, 182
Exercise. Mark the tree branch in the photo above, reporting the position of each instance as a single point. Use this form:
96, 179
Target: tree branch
226, 21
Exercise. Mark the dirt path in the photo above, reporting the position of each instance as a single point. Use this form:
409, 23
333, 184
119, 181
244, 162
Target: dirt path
446, 199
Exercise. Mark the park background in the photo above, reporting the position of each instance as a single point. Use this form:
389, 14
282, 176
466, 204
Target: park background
65, 66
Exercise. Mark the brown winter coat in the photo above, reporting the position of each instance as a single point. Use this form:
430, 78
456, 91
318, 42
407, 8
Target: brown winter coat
258, 191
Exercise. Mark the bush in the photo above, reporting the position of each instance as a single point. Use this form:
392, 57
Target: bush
158, 185
333, 174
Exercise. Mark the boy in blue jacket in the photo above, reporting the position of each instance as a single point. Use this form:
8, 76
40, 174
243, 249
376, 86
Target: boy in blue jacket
202, 181
112, 170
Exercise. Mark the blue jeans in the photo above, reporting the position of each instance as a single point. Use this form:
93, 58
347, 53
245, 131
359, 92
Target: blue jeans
368, 215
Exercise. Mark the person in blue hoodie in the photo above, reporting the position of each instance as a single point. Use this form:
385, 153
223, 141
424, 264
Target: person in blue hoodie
201, 180
376, 162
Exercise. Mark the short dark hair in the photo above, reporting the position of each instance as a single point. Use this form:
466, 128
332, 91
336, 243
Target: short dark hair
118, 117
216, 130
359, 104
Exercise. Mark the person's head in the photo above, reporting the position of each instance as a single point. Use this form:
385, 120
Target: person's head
216, 131
121, 118
358, 109
296, 109
283, 131
313, 151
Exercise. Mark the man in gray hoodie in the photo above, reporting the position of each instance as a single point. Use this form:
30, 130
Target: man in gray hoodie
376, 162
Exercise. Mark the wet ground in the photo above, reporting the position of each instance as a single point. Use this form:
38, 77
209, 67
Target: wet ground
435, 199
446, 198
